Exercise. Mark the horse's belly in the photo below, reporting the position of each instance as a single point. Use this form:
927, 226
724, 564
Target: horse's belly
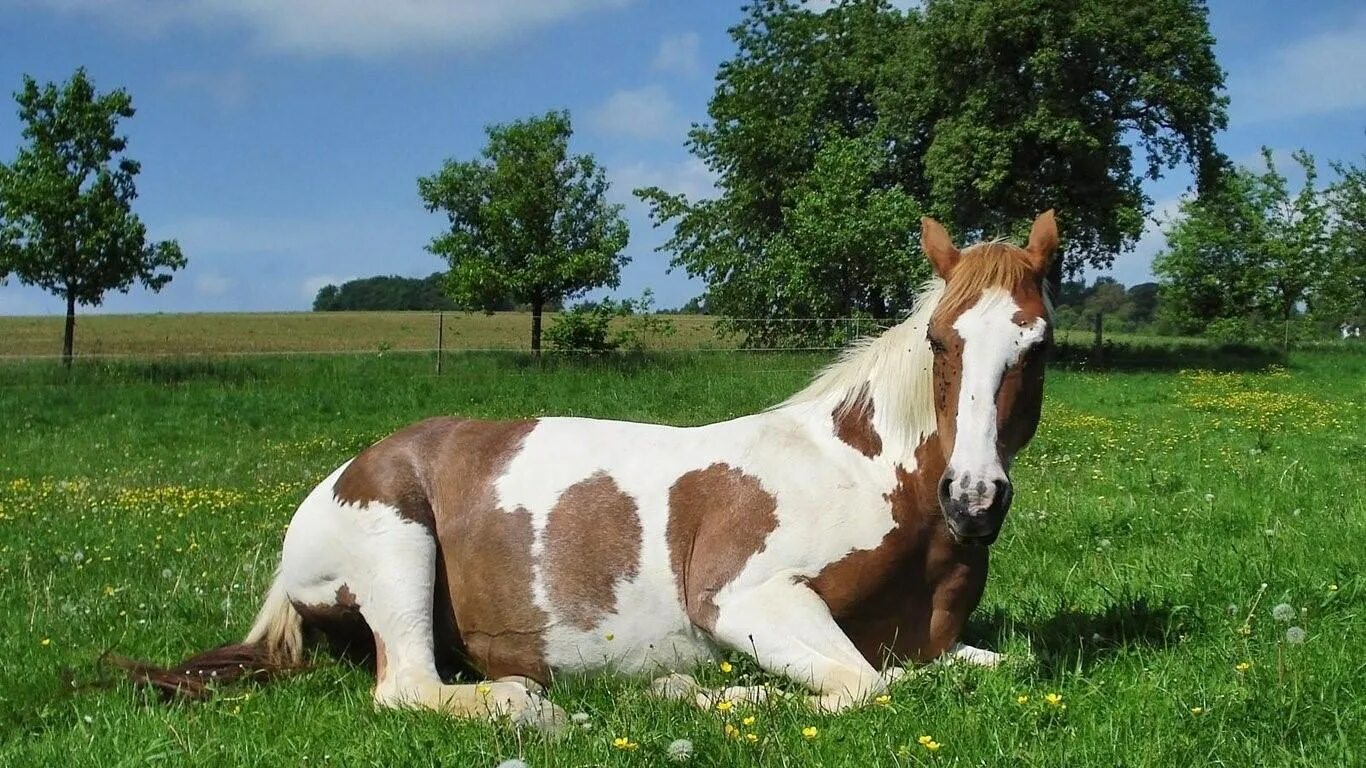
647, 634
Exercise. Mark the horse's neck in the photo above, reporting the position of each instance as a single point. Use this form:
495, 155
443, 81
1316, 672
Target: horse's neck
884, 384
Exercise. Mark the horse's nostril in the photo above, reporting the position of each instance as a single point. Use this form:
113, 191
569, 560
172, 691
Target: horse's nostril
944, 483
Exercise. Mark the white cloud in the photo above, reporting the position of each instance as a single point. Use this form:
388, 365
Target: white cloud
678, 54
1318, 74
338, 27
226, 90
642, 113
690, 177
213, 284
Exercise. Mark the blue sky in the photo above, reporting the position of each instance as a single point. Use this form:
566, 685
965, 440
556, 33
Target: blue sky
281, 139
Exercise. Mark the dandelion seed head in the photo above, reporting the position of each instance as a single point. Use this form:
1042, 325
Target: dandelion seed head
1295, 635
1283, 612
680, 750
513, 763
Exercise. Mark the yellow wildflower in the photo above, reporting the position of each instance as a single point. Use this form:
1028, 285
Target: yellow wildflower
621, 742
726, 667
483, 689
749, 720
751, 738
1243, 666
809, 732
1053, 699
731, 731
925, 739
883, 701
724, 705
1197, 710
933, 745
47, 641
1022, 699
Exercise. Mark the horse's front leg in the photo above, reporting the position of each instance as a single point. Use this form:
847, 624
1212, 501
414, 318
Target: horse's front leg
789, 631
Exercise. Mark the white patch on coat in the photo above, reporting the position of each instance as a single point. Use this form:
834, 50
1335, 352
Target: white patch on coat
992, 343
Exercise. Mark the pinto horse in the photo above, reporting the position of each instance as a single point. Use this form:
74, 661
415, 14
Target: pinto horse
827, 537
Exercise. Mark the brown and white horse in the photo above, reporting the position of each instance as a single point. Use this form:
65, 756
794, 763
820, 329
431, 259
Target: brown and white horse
826, 537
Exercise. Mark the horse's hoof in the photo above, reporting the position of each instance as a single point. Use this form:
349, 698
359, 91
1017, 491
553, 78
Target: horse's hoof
675, 687
542, 715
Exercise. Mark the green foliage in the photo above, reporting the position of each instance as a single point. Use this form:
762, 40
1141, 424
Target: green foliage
608, 326
385, 293
66, 219
1248, 250
1341, 298
1124, 310
832, 132
527, 219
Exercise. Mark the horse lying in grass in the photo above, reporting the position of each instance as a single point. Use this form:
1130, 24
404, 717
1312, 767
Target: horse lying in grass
827, 537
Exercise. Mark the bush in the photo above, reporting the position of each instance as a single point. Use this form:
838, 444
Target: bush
607, 326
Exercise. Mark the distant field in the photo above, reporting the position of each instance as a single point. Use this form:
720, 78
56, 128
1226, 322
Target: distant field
293, 332
304, 332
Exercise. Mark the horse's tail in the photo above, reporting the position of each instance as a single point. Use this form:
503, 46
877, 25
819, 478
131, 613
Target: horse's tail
273, 646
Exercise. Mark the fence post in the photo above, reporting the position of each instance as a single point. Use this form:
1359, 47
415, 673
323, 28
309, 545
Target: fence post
440, 333
1098, 346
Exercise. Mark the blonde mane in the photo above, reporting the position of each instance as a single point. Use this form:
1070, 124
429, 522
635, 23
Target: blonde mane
898, 366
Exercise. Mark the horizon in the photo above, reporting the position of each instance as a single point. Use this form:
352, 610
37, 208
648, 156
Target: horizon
285, 156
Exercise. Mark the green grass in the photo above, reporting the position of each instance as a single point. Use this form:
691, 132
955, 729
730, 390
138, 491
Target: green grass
1156, 516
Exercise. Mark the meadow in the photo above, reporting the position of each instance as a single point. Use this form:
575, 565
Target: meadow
1179, 581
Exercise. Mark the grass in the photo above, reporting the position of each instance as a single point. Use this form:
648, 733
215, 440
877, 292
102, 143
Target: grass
1158, 520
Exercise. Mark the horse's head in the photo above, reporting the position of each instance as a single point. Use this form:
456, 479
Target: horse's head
988, 334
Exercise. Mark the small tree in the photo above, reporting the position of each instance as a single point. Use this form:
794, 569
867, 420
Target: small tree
1340, 296
1247, 251
528, 220
66, 219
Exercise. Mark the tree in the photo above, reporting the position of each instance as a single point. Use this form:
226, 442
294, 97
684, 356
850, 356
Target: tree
1246, 251
527, 220
1340, 296
66, 220
980, 112
381, 293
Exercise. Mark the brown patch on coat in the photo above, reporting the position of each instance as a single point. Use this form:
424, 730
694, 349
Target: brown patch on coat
346, 598
719, 517
441, 473
591, 543
391, 472
853, 419
909, 596
485, 550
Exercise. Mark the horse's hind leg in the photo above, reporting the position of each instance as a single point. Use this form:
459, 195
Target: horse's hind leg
398, 609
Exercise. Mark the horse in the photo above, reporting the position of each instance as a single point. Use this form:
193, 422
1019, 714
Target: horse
830, 537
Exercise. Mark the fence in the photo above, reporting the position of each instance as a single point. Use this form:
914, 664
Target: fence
342, 333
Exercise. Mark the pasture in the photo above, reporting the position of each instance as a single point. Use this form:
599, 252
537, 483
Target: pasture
1161, 521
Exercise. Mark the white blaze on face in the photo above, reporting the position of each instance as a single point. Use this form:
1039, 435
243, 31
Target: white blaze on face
992, 342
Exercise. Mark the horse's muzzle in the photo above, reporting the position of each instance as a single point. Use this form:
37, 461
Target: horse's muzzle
974, 507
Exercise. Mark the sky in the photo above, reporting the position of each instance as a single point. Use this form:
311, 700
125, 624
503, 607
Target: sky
281, 140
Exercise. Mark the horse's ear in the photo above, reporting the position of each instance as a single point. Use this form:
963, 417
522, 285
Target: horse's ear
938, 247
1043, 241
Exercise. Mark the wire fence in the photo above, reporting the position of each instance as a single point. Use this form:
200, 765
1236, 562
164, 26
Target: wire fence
442, 334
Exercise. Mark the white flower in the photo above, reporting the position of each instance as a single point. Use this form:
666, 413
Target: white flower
1295, 635
166, 573
1283, 612
680, 750
513, 763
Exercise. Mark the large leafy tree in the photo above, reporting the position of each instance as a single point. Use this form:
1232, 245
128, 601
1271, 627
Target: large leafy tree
66, 219
527, 220
980, 112
1249, 250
